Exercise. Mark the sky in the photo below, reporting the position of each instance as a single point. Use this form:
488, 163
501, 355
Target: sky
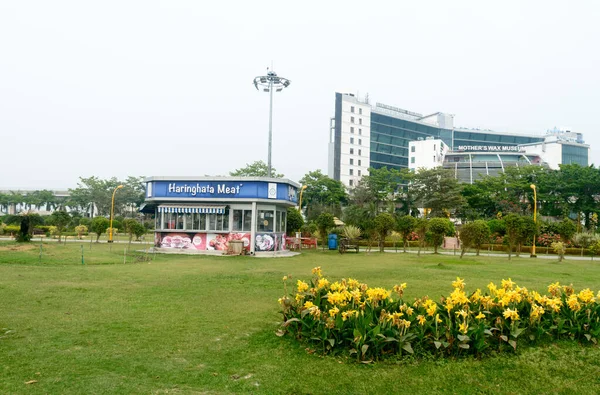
164, 88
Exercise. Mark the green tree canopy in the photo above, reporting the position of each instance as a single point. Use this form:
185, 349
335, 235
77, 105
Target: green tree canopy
438, 190
255, 169
406, 225
383, 224
438, 229
474, 234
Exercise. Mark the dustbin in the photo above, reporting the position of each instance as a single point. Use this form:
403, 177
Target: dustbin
332, 241
235, 247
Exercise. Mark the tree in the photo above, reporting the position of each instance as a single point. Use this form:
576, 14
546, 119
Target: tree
566, 230
26, 221
421, 226
322, 194
474, 234
294, 221
514, 227
81, 229
406, 225
129, 225
438, 190
384, 223
60, 219
324, 223
99, 225
255, 169
438, 228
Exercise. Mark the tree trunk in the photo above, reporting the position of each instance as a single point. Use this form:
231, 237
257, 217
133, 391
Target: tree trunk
405, 243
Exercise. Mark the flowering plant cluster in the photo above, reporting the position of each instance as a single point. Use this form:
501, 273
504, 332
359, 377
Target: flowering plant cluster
546, 239
371, 323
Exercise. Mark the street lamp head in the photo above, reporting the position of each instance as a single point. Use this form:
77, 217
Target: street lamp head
532, 186
304, 187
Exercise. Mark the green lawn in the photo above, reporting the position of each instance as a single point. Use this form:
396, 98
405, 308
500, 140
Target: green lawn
199, 324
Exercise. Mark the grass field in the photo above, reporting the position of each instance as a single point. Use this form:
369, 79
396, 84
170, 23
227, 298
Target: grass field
200, 324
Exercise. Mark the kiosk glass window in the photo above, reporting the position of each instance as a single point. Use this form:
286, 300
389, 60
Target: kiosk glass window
169, 220
197, 222
179, 221
242, 220
281, 217
265, 221
218, 221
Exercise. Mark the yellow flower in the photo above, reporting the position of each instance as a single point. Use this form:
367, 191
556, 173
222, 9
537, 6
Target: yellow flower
430, 307
508, 284
476, 297
356, 295
463, 327
322, 283
461, 313
409, 311
573, 303
536, 312
337, 287
492, 287
285, 278
317, 271
421, 319
334, 312
586, 296
554, 289
352, 284
438, 319
302, 286
299, 297
459, 283
458, 296
512, 314
480, 316
308, 305
376, 294
399, 289
349, 314
315, 312
336, 298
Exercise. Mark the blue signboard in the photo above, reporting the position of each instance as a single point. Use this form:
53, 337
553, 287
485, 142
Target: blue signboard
221, 190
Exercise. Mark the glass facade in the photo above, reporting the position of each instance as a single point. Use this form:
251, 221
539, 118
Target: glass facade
390, 137
573, 154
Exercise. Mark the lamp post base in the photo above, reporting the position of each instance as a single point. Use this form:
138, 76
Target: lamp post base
110, 241
533, 256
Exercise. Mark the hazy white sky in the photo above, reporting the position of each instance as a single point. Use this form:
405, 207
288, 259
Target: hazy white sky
153, 88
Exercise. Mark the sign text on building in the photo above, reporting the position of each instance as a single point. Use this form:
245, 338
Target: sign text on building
493, 148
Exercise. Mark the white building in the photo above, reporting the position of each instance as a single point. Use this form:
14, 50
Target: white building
427, 154
350, 140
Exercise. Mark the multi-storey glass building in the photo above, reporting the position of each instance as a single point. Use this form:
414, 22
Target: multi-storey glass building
363, 135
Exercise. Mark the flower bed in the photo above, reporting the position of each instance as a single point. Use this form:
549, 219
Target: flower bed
371, 323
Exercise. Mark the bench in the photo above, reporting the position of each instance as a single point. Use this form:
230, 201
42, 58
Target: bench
346, 245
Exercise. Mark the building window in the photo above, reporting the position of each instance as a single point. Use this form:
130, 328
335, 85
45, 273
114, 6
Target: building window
434, 147
352, 119
350, 182
352, 109
242, 220
360, 131
359, 154
412, 159
434, 158
351, 129
351, 172
351, 161
359, 142
360, 111
359, 162
351, 140
218, 221
352, 151
412, 148
265, 221
360, 121
359, 173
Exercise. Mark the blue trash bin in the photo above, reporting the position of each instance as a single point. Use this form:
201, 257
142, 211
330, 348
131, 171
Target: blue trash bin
332, 242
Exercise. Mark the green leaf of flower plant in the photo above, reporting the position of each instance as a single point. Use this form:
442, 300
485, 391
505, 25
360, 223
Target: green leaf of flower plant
408, 348
463, 338
513, 344
331, 341
464, 345
503, 337
364, 349
437, 344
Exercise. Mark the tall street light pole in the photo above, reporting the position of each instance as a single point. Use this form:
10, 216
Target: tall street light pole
300, 202
112, 211
268, 83
534, 220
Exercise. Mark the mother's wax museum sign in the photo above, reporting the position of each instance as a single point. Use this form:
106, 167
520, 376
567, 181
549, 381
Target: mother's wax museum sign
222, 189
